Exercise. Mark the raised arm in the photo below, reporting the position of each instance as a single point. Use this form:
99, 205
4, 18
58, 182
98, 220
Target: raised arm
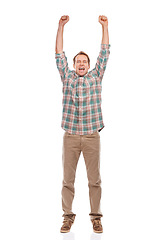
59, 39
104, 51
104, 22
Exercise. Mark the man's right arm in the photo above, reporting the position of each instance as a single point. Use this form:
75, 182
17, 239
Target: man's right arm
61, 59
59, 39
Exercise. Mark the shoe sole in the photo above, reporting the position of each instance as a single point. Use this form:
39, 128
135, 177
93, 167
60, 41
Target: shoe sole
64, 231
98, 231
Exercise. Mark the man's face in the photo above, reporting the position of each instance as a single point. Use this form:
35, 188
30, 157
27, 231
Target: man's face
81, 65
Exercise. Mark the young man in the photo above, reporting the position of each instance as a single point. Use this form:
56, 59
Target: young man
82, 121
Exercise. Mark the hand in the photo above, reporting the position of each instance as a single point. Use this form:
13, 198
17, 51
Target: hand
103, 20
64, 19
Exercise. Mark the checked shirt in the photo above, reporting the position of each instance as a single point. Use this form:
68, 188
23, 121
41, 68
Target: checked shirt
82, 113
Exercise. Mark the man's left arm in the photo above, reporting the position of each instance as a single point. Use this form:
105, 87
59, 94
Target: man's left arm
104, 22
105, 46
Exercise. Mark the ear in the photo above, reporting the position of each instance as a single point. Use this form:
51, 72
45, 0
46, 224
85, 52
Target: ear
74, 66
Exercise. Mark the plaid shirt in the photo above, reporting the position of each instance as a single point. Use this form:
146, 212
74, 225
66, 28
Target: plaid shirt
82, 112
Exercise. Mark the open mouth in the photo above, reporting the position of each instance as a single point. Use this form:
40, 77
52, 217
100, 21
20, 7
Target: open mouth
81, 68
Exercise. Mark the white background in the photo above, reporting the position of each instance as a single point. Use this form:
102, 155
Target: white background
31, 110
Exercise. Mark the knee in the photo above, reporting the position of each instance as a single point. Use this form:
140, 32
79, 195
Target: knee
67, 185
94, 183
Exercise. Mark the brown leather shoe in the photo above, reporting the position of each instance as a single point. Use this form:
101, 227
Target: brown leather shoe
67, 223
97, 226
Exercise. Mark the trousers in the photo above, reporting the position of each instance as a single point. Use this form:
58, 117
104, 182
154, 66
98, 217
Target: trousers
73, 145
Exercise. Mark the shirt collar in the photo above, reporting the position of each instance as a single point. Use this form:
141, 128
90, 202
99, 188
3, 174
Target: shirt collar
78, 76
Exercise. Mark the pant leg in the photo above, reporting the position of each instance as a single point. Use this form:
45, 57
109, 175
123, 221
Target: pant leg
91, 153
70, 156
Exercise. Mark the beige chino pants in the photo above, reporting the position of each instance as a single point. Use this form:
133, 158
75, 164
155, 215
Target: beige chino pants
72, 147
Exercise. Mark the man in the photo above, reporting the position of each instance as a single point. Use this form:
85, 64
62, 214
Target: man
82, 121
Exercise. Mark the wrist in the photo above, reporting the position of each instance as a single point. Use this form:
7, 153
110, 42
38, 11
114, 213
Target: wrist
105, 28
61, 27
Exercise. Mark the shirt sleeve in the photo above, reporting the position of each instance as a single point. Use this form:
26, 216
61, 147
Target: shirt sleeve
102, 60
62, 65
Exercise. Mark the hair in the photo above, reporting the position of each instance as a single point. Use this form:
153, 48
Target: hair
81, 53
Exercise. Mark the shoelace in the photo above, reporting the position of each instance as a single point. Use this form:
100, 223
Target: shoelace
97, 222
66, 222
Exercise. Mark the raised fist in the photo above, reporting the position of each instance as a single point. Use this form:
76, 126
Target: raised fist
63, 20
103, 20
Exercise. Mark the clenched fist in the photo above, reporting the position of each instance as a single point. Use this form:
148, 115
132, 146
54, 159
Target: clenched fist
103, 20
63, 20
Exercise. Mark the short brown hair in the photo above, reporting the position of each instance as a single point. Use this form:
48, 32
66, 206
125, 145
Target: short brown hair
81, 53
